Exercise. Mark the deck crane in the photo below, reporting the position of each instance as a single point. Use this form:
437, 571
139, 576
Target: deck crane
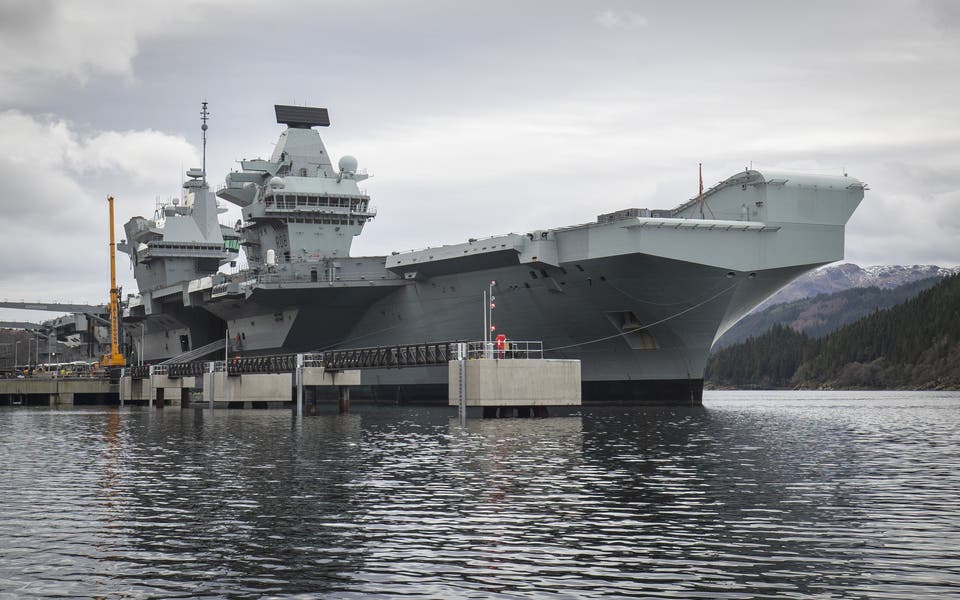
114, 359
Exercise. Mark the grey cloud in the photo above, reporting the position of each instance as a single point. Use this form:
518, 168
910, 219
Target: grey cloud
620, 20
18, 18
945, 15
507, 116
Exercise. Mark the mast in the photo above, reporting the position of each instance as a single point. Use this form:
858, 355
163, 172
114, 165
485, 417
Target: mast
701, 190
204, 115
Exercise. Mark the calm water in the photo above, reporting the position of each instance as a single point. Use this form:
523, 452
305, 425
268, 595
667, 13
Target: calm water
791, 495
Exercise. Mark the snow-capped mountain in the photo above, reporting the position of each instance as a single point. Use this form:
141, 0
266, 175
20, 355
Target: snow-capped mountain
836, 278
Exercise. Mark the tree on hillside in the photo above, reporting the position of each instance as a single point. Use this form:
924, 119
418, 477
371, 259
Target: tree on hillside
913, 345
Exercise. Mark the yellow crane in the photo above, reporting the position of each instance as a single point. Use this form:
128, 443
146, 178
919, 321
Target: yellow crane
114, 358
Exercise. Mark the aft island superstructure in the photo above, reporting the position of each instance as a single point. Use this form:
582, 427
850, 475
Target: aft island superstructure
638, 296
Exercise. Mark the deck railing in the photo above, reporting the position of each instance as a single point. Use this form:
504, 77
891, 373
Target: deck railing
509, 349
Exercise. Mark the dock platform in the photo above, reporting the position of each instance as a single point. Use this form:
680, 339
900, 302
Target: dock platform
505, 380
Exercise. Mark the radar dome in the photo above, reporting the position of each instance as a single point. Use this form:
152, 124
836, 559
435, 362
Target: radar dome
277, 183
348, 164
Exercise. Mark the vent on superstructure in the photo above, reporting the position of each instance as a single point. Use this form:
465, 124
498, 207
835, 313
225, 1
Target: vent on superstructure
626, 213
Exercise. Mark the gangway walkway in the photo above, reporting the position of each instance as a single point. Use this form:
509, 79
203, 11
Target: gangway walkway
379, 357
191, 355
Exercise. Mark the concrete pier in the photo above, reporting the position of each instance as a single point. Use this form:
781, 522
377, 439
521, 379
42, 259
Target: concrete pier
218, 387
156, 390
250, 387
56, 391
529, 383
512, 378
318, 376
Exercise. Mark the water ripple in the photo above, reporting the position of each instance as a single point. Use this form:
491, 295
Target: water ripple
798, 495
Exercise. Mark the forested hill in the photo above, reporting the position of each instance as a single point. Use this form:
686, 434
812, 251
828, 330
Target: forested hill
914, 345
822, 313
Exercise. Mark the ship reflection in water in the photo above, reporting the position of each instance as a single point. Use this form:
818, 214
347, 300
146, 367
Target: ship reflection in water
797, 494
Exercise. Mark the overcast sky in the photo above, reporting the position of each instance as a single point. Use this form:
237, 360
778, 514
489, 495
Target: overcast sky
474, 119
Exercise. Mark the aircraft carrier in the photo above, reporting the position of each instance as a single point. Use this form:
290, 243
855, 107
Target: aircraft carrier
639, 295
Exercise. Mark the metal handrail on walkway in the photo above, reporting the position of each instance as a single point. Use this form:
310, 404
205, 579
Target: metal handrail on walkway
409, 355
509, 349
278, 363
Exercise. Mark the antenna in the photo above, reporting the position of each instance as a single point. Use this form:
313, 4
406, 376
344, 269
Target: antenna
701, 190
204, 115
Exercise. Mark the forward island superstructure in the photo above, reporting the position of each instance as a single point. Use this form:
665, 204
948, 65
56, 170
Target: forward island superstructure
638, 296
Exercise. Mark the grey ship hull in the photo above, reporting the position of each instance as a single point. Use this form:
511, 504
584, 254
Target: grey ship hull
580, 314
566, 305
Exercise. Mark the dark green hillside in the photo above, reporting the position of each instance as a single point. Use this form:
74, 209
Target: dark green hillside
766, 361
819, 315
915, 345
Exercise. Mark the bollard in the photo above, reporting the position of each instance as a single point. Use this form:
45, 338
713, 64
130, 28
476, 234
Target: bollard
299, 378
462, 364
213, 370
150, 386
463, 391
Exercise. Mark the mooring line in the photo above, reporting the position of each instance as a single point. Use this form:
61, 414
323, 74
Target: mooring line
623, 333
